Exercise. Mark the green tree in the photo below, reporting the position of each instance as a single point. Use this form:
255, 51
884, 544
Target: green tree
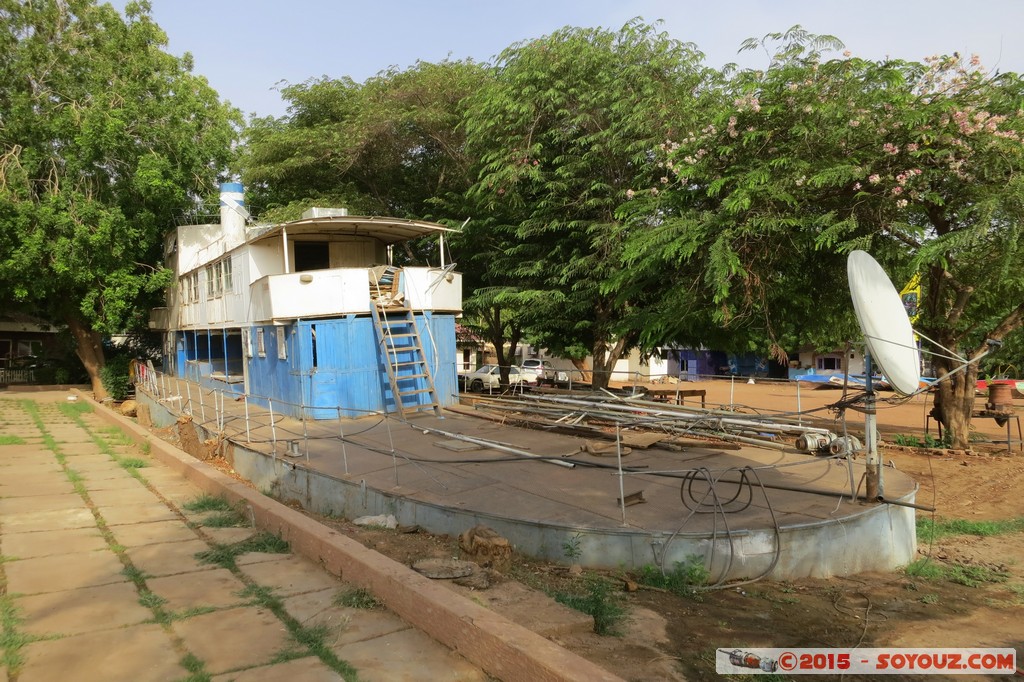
566, 128
918, 163
390, 146
105, 139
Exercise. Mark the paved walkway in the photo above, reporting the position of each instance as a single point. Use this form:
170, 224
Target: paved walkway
100, 580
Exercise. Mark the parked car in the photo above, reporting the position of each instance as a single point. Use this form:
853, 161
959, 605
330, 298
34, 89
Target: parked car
536, 372
489, 377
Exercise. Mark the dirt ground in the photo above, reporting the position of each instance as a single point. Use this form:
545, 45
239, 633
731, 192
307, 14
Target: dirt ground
670, 637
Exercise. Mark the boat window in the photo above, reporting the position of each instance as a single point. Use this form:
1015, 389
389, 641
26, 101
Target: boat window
312, 256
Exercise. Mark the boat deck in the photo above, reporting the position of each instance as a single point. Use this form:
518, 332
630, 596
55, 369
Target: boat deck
540, 489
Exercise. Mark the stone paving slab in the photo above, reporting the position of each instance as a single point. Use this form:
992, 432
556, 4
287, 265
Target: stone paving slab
169, 558
51, 542
63, 572
10, 482
178, 495
228, 536
215, 587
74, 451
347, 625
38, 503
55, 486
291, 574
120, 497
13, 452
149, 533
237, 638
49, 520
136, 513
407, 656
141, 653
16, 471
87, 467
114, 479
88, 609
85, 462
309, 669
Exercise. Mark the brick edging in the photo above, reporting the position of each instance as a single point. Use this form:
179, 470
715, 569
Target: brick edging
500, 647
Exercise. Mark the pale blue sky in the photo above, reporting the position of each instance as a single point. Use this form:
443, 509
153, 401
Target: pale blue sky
245, 47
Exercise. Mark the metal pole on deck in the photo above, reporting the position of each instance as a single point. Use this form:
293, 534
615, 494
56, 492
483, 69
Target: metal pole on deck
394, 457
622, 491
273, 429
341, 433
202, 405
245, 399
799, 412
188, 389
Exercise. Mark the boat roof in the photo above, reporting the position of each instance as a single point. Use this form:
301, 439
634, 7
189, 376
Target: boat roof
386, 230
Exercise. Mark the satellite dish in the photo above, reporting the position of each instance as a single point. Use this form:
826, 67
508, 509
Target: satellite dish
884, 323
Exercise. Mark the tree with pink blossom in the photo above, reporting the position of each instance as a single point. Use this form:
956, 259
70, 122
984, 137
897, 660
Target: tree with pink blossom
919, 163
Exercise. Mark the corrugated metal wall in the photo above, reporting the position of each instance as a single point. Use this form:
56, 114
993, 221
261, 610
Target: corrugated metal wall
346, 369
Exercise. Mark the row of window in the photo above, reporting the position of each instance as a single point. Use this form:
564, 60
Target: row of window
218, 281
261, 346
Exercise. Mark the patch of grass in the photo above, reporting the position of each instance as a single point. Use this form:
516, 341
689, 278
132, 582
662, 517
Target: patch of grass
151, 600
312, 638
74, 410
196, 669
132, 463
12, 639
206, 502
134, 574
930, 598
599, 601
974, 576
924, 568
934, 529
258, 595
961, 574
1018, 593
357, 598
231, 519
684, 579
11, 440
224, 555
190, 612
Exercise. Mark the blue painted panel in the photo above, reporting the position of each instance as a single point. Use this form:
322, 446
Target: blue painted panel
331, 364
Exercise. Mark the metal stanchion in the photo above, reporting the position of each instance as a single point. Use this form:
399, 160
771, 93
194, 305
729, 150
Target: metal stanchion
273, 429
245, 398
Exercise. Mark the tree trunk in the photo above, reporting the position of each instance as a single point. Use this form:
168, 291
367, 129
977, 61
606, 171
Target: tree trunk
954, 402
89, 348
605, 357
584, 373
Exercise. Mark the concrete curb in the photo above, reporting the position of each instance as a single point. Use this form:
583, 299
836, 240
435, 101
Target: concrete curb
500, 647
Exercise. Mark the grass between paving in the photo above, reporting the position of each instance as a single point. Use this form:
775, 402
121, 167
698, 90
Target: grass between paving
307, 639
148, 599
357, 598
225, 555
11, 440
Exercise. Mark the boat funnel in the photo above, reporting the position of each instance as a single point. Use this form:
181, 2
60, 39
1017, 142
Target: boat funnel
233, 214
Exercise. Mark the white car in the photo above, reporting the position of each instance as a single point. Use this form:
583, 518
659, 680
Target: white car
538, 372
489, 377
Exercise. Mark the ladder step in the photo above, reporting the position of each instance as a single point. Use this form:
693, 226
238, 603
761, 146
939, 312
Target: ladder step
402, 349
400, 336
406, 377
410, 363
419, 390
